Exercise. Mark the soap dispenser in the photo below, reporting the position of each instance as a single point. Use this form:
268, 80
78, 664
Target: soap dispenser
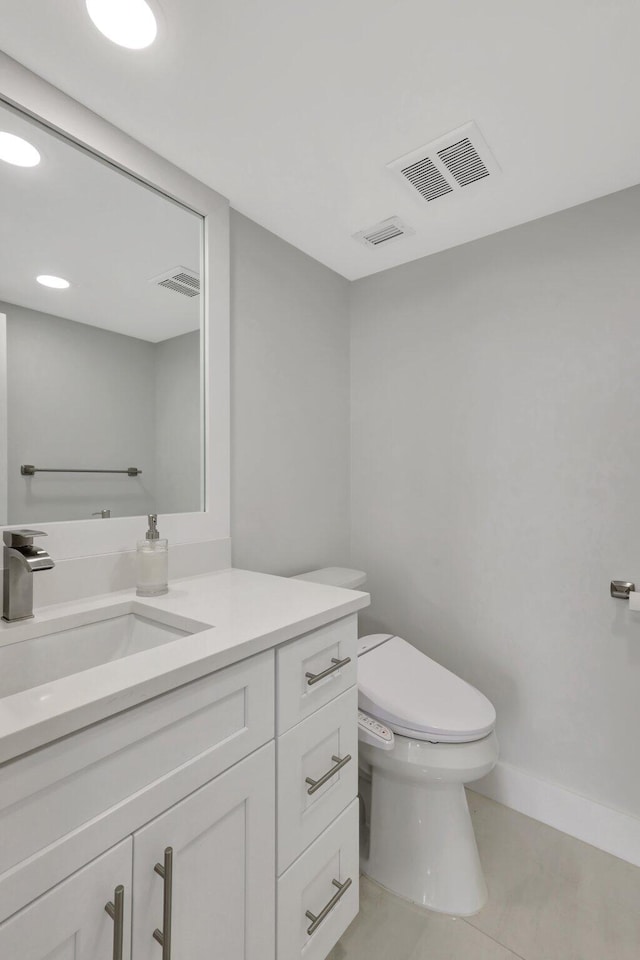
152, 562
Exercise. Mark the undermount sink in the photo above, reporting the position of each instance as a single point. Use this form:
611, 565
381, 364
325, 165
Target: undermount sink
40, 652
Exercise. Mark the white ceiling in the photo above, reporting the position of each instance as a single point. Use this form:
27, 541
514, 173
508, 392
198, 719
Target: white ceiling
75, 217
292, 109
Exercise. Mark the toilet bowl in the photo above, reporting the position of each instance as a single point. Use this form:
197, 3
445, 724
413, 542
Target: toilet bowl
417, 839
421, 843
421, 840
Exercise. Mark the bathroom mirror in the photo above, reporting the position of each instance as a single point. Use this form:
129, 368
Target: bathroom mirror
101, 365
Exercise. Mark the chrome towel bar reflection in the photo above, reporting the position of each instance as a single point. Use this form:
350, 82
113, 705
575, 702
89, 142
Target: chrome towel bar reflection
28, 470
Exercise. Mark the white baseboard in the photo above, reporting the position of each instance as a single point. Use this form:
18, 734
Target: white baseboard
603, 827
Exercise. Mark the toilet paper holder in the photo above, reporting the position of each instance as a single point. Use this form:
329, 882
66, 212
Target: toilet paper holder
620, 589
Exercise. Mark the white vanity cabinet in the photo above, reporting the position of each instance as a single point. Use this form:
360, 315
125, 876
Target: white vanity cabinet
202, 884
317, 747
218, 821
216, 851
70, 922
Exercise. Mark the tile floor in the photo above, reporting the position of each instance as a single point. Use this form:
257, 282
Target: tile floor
550, 898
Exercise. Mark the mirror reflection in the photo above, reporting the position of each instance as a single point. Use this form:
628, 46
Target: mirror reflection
100, 343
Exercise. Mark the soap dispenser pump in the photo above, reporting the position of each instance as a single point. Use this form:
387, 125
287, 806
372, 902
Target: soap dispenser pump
152, 562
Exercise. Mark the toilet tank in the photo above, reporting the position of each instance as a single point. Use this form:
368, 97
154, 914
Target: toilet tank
335, 577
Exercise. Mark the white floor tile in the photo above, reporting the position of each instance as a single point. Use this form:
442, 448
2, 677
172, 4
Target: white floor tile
446, 938
550, 898
386, 928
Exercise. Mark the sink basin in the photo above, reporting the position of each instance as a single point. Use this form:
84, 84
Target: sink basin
34, 653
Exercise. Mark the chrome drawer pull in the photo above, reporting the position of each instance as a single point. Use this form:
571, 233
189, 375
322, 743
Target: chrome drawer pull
316, 921
339, 764
115, 909
335, 665
166, 872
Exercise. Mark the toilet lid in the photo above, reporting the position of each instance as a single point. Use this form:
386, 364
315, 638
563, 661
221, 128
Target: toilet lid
418, 698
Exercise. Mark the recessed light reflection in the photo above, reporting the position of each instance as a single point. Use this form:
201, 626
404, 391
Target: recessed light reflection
17, 151
129, 23
58, 283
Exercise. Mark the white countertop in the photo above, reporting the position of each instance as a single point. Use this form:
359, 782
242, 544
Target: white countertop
248, 613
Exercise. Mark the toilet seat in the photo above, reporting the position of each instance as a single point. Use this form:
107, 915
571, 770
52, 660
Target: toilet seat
418, 698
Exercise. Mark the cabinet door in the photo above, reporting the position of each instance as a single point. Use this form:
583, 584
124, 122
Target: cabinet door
70, 921
213, 895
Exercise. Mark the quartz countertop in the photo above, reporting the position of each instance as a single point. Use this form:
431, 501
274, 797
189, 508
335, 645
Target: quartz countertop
243, 613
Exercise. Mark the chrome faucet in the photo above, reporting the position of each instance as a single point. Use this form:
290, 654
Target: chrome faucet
21, 561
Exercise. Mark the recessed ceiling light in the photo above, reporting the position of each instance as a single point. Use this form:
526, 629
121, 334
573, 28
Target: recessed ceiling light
130, 23
17, 151
58, 283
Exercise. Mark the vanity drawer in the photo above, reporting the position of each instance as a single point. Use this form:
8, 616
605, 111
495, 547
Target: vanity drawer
313, 749
315, 669
324, 882
63, 804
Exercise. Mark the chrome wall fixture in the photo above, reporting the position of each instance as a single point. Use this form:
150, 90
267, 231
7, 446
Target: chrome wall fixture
28, 470
620, 589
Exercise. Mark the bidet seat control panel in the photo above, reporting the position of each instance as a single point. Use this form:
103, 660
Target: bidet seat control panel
373, 732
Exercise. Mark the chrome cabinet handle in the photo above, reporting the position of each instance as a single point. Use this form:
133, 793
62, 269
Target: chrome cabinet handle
339, 764
316, 921
115, 909
166, 872
335, 665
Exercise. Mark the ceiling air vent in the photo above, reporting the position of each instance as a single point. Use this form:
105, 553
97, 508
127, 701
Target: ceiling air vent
179, 279
383, 233
456, 160
427, 179
463, 162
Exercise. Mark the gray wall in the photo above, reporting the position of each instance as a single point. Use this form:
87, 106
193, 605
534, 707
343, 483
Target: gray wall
495, 469
496, 479
72, 389
290, 406
80, 396
178, 424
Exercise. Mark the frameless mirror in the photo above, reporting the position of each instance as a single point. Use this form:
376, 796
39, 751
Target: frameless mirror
101, 396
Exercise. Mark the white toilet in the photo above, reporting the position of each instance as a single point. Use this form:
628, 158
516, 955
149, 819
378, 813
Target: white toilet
421, 843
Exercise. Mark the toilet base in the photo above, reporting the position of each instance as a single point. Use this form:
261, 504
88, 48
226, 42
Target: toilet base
422, 845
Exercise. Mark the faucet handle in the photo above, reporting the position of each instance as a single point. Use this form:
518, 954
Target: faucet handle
21, 538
